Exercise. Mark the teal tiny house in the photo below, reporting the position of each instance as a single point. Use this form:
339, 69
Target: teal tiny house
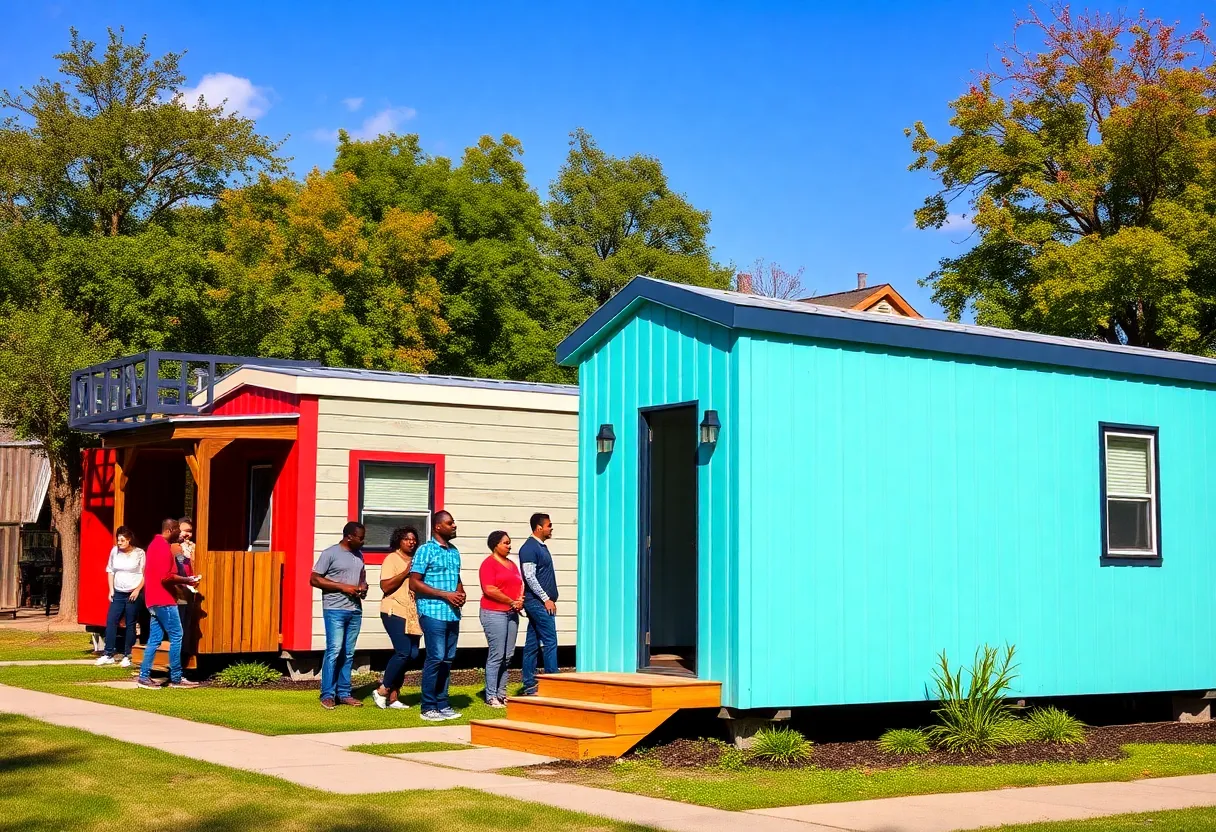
807, 504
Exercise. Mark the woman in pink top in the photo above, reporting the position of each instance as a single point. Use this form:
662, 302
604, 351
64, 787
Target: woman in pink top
502, 597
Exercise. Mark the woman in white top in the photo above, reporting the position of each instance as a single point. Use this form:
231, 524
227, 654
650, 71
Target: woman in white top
125, 574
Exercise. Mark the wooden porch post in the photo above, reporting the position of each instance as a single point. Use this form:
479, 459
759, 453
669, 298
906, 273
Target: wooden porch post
124, 463
199, 463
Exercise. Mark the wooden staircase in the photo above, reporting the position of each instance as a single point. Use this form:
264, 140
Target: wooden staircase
577, 716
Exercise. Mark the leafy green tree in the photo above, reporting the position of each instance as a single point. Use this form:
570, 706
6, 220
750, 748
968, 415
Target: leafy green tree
505, 303
1089, 172
96, 169
614, 219
115, 145
40, 345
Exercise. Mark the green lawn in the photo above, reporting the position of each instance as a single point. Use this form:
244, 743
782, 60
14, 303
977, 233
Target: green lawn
387, 749
261, 711
54, 778
759, 789
1181, 820
28, 645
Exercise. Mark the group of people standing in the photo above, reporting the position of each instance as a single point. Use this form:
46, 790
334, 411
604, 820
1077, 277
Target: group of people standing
162, 579
424, 597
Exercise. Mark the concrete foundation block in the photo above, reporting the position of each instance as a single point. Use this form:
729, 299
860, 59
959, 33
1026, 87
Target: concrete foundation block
1192, 709
744, 725
303, 667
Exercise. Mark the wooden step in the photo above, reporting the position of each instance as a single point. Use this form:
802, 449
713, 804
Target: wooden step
550, 740
161, 660
590, 716
642, 690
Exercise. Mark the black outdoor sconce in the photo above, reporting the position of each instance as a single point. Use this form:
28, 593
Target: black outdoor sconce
605, 439
710, 427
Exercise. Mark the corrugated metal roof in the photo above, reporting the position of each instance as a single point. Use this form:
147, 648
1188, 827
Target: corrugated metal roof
422, 378
807, 319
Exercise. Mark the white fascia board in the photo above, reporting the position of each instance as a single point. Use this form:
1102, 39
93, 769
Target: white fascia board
396, 391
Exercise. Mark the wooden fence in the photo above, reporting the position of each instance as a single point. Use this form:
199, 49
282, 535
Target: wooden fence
239, 601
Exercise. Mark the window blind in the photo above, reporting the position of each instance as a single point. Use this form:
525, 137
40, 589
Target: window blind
1127, 465
396, 489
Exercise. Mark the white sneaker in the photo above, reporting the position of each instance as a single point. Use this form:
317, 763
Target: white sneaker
381, 701
433, 716
126, 662
105, 660
448, 713
398, 705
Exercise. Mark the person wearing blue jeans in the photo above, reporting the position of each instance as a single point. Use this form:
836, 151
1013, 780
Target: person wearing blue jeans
435, 582
440, 638
341, 633
342, 579
160, 578
540, 601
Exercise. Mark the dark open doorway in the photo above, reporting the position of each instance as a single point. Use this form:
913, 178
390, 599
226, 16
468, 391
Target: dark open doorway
667, 615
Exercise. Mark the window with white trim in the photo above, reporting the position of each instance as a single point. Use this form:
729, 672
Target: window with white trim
1129, 493
394, 494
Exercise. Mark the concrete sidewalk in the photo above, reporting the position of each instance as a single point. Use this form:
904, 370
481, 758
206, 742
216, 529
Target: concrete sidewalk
321, 761
315, 761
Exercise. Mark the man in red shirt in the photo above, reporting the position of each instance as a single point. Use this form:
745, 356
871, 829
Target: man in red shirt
160, 576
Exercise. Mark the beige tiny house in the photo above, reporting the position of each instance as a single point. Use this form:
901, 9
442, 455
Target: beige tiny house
395, 447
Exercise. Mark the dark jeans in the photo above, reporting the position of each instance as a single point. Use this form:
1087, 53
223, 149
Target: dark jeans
164, 623
341, 634
542, 635
441, 638
405, 647
124, 607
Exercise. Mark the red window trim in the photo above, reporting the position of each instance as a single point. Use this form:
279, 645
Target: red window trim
357, 458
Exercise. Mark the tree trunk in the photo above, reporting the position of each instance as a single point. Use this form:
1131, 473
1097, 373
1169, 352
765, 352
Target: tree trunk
65, 517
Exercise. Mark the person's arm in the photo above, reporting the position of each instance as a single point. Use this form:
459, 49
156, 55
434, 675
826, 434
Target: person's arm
326, 585
391, 583
143, 562
419, 587
110, 581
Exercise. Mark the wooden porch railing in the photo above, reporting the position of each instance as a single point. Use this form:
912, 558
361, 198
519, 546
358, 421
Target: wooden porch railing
239, 601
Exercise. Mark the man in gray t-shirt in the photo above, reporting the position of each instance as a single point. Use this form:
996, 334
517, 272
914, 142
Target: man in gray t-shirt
340, 575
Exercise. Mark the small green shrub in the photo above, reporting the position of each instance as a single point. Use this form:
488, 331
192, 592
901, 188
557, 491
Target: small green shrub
781, 745
363, 679
246, 675
976, 717
732, 759
904, 741
1052, 724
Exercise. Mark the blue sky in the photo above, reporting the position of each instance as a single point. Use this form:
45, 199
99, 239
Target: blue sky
783, 119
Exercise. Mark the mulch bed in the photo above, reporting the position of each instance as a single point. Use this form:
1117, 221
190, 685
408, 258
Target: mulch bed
1105, 743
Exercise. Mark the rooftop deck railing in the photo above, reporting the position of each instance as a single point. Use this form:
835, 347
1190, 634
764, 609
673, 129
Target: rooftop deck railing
152, 385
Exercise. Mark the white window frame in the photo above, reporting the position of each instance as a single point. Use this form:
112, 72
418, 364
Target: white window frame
383, 512
1152, 497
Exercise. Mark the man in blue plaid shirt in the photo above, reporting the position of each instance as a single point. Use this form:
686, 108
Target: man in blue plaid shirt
435, 582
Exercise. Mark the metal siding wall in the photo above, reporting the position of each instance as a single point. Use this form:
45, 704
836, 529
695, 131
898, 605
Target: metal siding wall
895, 505
658, 356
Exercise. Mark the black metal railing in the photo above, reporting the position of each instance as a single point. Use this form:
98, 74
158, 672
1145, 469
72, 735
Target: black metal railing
153, 384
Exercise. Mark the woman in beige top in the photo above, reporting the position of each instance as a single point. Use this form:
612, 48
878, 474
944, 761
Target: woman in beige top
399, 615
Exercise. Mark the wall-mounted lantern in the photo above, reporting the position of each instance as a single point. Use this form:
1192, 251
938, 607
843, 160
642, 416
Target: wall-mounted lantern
710, 427
605, 439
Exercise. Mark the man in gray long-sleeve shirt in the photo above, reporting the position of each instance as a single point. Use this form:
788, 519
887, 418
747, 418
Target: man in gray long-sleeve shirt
540, 601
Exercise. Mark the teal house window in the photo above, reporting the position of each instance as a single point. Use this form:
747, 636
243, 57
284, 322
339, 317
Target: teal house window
1131, 511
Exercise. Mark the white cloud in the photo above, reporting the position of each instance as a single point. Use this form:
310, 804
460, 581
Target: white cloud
385, 121
352, 104
239, 95
957, 222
